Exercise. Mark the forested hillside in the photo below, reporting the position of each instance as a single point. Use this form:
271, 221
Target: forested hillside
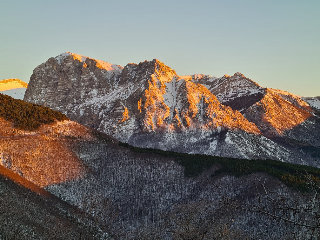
27, 116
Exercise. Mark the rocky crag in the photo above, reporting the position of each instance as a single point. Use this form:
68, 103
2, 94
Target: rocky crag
149, 105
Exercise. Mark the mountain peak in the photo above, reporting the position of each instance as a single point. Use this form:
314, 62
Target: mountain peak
148, 105
81, 58
12, 83
239, 74
157, 61
61, 57
156, 66
154, 62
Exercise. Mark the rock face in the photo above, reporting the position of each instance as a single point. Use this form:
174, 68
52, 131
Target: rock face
149, 105
13, 87
42, 156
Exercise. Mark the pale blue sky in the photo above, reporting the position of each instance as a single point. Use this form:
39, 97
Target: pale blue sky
275, 43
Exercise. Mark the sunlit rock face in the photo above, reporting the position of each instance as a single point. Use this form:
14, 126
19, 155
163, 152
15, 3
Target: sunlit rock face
277, 113
13, 87
43, 156
149, 105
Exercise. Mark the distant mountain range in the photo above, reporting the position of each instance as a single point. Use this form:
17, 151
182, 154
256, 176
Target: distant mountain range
149, 105
13, 87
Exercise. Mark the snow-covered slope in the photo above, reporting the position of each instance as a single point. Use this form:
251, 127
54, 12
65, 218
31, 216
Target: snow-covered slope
149, 105
313, 102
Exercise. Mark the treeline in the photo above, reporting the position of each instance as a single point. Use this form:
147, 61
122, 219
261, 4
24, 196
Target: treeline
293, 175
27, 116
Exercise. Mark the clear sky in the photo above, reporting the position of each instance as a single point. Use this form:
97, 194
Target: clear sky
276, 43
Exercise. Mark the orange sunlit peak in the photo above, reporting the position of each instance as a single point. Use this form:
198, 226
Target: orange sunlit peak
157, 60
13, 83
78, 57
238, 74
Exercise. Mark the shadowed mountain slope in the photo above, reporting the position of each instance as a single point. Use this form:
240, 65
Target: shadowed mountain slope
36, 214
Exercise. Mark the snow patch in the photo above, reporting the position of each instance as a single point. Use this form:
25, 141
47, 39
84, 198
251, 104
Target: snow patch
170, 97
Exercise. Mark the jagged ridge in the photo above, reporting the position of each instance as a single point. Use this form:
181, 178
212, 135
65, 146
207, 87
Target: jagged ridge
12, 83
149, 105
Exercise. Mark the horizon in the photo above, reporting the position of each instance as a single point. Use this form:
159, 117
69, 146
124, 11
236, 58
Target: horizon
274, 44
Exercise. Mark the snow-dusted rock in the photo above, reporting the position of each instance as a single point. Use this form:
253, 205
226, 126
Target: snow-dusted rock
149, 105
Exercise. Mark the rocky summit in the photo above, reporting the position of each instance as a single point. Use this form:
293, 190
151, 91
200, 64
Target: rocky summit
149, 105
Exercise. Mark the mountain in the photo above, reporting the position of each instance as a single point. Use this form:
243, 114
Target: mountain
273, 111
13, 87
77, 183
149, 105
235, 91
